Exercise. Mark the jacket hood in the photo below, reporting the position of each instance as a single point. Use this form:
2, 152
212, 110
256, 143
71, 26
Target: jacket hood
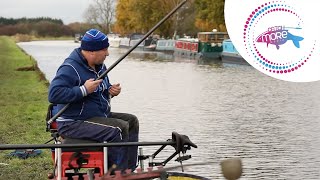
76, 56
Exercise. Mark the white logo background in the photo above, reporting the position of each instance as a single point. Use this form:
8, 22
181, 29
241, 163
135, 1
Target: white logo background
246, 20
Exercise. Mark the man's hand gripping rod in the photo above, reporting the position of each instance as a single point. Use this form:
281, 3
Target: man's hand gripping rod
123, 56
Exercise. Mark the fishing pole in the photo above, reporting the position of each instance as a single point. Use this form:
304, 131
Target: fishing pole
82, 145
123, 56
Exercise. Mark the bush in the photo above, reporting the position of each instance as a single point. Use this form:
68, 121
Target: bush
22, 38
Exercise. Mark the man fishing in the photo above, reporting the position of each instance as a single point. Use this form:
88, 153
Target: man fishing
89, 115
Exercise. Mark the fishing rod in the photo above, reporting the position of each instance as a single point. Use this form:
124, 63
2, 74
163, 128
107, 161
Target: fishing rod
123, 56
81, 145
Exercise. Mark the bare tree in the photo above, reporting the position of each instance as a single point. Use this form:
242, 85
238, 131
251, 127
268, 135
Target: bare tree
102, 13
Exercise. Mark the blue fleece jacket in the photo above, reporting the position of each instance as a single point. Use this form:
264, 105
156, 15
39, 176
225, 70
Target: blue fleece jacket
68, 87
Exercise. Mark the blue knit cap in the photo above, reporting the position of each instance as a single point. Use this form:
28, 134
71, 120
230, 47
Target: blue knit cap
94, 40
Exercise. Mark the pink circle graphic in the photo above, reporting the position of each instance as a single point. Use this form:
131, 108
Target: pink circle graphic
277, 38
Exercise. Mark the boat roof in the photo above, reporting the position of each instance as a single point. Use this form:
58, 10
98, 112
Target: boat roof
227, 40
212, 33
188, 39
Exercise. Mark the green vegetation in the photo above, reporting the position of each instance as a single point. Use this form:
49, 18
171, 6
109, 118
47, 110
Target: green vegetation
142, 15
210, 15
28, 29
11, 21
23, 106
194, 16
34, 26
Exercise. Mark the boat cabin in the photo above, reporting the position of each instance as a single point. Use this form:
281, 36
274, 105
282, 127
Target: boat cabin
208, 45
77, 37
212, 37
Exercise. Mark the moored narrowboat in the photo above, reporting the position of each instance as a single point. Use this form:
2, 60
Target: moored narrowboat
77, 38
148, 44
231, 55
132, 40
114, 40
166, 45
207, 45
187, 48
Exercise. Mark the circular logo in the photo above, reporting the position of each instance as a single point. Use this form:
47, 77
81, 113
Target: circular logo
279, 38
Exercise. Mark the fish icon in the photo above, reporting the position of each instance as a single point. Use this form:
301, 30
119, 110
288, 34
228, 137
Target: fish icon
279, 35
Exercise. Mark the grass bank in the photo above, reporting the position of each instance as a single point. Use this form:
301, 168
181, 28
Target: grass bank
23, 106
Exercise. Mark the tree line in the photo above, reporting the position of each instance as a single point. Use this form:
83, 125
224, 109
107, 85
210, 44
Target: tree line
194, 16
126, 17
11, 21
42, 26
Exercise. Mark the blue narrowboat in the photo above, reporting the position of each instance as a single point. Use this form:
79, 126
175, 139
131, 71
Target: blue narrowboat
230, 54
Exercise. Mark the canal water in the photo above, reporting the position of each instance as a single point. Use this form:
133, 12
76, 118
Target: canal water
227, 110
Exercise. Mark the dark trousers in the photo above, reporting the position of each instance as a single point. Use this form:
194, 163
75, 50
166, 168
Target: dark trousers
120, 127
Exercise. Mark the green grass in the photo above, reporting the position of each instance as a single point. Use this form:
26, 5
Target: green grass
23, 106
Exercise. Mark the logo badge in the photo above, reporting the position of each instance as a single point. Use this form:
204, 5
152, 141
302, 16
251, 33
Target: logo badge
279, 38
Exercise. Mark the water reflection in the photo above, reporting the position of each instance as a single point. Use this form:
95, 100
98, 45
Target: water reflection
140, 55
151, 56
227, 110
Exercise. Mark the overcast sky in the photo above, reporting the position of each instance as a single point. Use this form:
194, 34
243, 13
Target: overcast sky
67, 10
